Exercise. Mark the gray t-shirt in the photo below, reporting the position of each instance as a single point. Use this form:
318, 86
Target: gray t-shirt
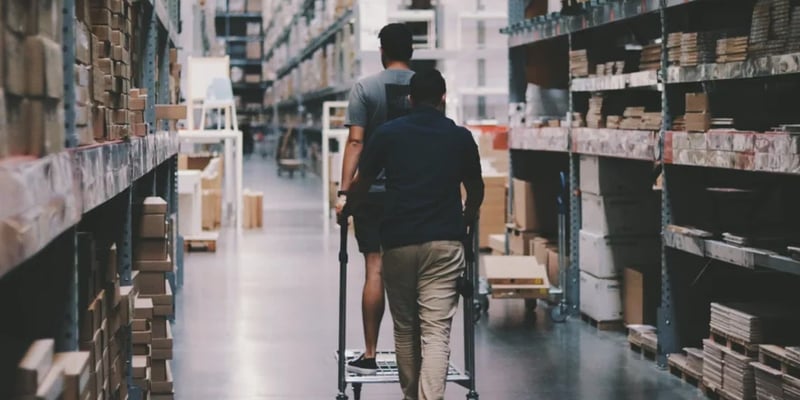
376, 99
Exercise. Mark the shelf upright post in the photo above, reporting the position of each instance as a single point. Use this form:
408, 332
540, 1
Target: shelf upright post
68, 47
149, 78
572, 285
517, 84
68, 336
667, 329
163, 78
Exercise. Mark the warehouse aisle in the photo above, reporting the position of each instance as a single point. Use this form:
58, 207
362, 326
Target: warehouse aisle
257, 321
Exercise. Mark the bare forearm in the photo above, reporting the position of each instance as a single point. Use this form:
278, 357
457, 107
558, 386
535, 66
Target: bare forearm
475, 193
352, 153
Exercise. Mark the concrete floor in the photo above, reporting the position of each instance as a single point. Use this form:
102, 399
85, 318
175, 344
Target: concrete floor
258, 321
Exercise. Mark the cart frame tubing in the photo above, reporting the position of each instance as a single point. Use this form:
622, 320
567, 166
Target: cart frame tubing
471, 272
342, 306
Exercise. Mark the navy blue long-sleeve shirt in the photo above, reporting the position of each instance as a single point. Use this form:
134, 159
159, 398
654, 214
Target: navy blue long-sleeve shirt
426, 157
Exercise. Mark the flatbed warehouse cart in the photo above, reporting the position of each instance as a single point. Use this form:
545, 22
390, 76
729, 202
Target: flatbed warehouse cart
387, 365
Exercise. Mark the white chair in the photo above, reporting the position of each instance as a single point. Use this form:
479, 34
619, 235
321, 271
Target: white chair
219, 96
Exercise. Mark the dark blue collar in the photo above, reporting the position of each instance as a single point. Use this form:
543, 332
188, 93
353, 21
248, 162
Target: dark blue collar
426, 109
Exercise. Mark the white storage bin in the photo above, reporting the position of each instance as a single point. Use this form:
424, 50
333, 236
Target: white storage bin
607, 256
620, 215
601, 299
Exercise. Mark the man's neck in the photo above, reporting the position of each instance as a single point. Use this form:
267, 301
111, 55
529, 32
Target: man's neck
399, 65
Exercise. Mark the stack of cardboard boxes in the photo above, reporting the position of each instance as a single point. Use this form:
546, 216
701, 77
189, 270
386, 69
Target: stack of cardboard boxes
620, 230
111, 28
698, 117
535, 216
32, 88
109, 308
83, 82
253, 215
137, 102
152, 332
44, 374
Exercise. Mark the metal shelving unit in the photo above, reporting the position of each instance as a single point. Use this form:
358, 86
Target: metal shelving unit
232, 29
685, 160
301, 105
53, 204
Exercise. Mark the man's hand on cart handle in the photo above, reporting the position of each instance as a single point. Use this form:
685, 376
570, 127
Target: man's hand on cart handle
341, 202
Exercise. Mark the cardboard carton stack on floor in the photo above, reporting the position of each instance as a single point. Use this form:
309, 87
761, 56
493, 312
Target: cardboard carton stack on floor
152, 332
44, 374
32, 84
101, 323
620, 230
253, 215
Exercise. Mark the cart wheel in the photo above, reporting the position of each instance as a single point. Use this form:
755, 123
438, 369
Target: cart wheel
357, 391
530, 305
558, 313
472, 396
476, 314
484, 302
341, 396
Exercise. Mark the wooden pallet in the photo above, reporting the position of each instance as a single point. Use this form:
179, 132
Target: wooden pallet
778, 358
604, 325
734, 344
207, 241
678, 366
717, 393
646, 352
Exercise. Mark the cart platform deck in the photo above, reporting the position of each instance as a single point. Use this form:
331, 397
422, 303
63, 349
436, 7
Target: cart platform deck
387, 369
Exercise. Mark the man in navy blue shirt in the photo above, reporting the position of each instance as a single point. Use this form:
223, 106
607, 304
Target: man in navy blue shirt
426, 158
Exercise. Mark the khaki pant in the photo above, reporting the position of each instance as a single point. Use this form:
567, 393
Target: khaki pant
420, 284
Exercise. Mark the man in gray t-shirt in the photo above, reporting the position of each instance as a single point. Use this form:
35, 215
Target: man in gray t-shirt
373, 101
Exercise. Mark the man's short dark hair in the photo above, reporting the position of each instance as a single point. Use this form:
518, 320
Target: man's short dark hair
396, 42
428, 87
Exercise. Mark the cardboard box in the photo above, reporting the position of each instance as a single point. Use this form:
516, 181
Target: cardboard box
552, 266
641, 294
254, 6
165, 342
696, 103
150, 283
162, 354
606, 256
540, 249
601, 299
163, 311
162, 377
151, 250
141, 350
497, 243
153, 205
610, 176
34, 366
534, 208
170, 112
617, 215
76, 367
519, 242
46, 19
152, 226
45, 126
159, 327
15, 68
154, 266
139, 366
493, 209
253, 50
143, 309
141, 337
52, 386
698, 122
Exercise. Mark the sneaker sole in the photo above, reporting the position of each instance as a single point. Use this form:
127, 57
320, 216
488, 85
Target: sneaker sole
361, 371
